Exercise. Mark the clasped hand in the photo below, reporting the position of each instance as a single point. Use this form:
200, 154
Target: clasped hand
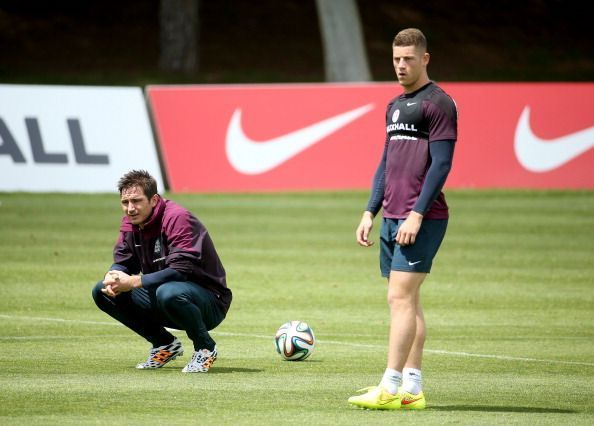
116, 282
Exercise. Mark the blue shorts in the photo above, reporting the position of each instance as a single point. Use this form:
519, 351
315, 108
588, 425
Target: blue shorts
413, 258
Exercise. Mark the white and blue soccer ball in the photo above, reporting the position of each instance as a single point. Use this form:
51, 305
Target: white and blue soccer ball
294, 341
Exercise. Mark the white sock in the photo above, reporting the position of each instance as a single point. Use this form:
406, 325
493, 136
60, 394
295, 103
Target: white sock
412, 380
391, 380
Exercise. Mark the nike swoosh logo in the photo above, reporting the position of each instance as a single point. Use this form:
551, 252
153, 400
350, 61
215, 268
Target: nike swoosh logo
542, 155
414, 263
255, 157
410, 103
409, 401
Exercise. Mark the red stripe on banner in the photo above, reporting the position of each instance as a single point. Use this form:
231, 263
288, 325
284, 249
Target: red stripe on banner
331, 136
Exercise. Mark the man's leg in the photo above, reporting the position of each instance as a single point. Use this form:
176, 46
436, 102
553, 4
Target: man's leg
415, 356
412, 397
136, 311
403, 299
193, 309
406, 338
407, 323
196, 311
404, 303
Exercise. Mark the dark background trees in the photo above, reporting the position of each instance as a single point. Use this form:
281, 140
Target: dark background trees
249, 41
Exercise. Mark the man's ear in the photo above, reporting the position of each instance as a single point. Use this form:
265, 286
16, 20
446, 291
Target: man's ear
426, 57
154, 200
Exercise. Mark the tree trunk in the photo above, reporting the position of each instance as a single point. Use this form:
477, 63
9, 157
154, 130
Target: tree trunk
178, 24
345, 57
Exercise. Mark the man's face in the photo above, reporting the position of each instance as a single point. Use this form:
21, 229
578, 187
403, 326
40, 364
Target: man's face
410, 65
136, 205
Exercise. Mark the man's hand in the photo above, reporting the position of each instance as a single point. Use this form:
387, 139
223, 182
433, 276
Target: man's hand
117, 282
363, 230
407, 233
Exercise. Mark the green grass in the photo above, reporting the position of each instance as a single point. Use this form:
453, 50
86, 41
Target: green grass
509, 306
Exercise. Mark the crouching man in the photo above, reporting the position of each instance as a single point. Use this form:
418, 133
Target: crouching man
166, 273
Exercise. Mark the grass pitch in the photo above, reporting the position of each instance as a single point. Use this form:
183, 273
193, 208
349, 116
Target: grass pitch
509, 308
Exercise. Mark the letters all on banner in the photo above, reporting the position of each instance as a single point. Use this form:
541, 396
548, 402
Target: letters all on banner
331, 136
71, 139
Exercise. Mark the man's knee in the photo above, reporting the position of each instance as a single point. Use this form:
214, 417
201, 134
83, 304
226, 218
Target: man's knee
399, 298
97, 293
169, 296
403, 288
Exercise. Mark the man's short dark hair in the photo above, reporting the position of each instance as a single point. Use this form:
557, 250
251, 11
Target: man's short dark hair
140, 178
411, 37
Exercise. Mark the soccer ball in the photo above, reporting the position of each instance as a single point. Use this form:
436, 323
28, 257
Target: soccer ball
294, 341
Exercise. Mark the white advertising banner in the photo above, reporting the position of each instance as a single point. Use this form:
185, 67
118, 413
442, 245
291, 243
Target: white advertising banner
73, 138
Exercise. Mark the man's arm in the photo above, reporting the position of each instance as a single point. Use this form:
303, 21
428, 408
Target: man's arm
374, 204
378, 186
157, 278
442, 153
117, 281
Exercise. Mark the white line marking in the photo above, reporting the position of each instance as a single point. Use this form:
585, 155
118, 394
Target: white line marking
59, 320
332, 342
509, 358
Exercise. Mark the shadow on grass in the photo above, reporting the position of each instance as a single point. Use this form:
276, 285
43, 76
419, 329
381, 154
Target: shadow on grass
495, 409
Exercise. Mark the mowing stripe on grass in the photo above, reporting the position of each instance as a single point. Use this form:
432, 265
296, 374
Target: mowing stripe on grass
27, 338
358, 345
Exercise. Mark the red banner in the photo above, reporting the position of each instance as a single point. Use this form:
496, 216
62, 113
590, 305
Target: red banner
331, 136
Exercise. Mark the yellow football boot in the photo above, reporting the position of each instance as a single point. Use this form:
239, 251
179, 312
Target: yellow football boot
376, 398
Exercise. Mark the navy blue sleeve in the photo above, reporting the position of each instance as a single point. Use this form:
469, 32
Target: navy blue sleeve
441, 153
118, 267
379, 183
154, 279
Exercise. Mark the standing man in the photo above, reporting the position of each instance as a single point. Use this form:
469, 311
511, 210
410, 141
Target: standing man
421, 129
166, 273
